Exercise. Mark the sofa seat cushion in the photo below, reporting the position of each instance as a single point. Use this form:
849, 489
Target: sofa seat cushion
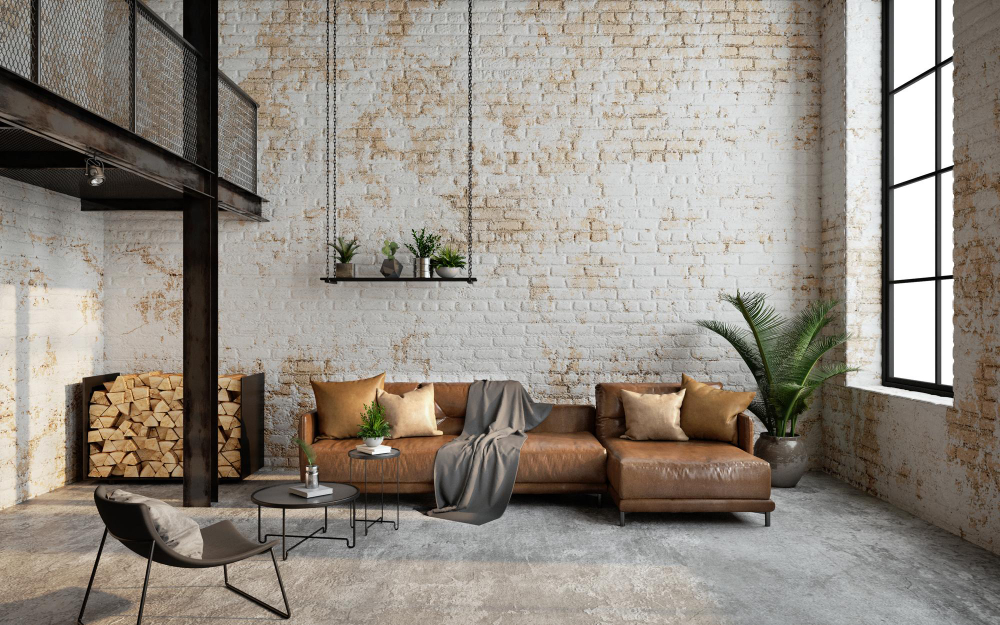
685, 470
562, 457
416, 460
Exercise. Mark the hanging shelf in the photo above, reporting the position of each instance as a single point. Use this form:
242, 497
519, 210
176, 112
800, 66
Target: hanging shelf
331, 192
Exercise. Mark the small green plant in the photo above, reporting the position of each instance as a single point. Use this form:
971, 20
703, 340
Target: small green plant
389, 249
307, 449
426, 244
449, 257
345, 249
373, 423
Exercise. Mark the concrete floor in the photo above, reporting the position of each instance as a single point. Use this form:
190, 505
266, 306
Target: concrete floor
833, 555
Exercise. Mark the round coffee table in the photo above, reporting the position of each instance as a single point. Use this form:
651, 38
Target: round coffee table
278, 496
394, 454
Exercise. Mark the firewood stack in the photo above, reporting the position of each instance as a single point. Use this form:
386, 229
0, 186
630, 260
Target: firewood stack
137, 426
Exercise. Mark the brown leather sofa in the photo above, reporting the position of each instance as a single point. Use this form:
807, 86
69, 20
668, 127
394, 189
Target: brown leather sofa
561, 455
673, 476
577, 449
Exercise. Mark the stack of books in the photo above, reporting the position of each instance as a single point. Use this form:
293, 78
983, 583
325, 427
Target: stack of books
302, 491
375, 451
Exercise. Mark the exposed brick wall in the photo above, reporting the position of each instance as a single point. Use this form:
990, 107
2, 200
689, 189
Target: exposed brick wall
633, 161
51, 282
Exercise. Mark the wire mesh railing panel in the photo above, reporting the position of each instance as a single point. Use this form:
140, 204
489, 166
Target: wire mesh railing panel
166, 77
15, 36
86, 51
237, 137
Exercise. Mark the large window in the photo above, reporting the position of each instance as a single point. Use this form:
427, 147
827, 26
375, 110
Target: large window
917, 195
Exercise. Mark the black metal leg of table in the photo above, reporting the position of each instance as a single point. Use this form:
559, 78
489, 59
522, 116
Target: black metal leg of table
304, 537
259, 539
396, 526
284, 553
366, 499
350, 480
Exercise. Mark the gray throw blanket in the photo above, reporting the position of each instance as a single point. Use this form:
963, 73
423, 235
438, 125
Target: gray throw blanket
474, 474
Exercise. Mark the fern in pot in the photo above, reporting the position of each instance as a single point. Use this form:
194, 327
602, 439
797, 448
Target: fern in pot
449, 263
783, 356
374, 428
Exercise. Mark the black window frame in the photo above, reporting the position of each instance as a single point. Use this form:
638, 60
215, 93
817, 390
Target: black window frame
936, 387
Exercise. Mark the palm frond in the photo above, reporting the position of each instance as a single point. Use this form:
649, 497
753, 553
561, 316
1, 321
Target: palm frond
741, 340
764, 323
801, 330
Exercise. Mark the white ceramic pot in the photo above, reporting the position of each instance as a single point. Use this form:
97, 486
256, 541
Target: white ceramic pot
374, 442
449, 272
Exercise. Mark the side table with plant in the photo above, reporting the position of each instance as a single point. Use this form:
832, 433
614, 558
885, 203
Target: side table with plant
449, 263
423, 248
782, 355
345, 253
312, 471
374, 428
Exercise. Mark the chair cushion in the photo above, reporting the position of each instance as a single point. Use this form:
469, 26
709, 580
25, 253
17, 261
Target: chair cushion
179, 532
416, 460
562, 457
686, 470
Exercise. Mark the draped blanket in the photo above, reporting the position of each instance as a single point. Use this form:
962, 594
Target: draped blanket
474, 474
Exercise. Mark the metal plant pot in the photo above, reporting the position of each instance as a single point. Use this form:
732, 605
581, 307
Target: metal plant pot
449, 272
391, 268
422, 268
312, 476
787, 456
345, 270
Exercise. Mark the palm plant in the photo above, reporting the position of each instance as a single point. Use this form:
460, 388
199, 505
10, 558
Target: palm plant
782, 355
345, 249
307, 450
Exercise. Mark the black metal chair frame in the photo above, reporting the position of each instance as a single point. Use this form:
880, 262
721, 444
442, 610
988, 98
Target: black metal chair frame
131, 525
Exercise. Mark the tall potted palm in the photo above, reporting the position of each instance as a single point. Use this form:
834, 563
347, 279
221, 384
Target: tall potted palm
783, 356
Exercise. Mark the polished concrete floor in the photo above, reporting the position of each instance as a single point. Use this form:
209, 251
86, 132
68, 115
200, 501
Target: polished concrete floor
832, 555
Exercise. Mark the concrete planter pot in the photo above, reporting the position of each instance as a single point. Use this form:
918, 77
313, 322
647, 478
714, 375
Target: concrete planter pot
344, 270
374, 442
449, 272
787, 456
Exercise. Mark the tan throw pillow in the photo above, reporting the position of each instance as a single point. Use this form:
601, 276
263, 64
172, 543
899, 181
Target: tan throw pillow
709, 413
339, 405
411, 414
653, 417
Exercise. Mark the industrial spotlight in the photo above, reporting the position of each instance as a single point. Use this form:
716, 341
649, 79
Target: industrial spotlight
95, 172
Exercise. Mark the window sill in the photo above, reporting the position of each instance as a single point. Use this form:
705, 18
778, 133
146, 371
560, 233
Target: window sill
926, 398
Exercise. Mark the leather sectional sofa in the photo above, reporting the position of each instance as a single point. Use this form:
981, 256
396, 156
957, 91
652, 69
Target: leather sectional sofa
577, 449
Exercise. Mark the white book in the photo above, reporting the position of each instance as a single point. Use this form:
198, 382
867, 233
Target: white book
302, 491
381, 449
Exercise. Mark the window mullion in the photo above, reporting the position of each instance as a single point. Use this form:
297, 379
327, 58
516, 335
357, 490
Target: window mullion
937, 193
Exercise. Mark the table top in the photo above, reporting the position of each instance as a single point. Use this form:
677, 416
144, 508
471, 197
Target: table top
360, 455
278, 496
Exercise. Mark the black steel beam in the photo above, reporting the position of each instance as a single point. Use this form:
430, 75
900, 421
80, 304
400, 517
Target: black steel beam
131, 205
62, 159
240, 201
201, 267
26, 105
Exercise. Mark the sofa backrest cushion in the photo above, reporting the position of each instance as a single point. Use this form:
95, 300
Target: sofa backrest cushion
611, 414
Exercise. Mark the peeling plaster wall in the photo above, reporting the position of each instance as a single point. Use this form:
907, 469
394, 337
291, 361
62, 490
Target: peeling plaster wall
633, 161
917, 452
51, 283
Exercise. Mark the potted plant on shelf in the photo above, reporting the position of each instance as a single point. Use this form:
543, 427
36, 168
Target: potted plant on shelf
782, 355
391, 268
449, 262
312, 471
345, 252
423, 251
374, 428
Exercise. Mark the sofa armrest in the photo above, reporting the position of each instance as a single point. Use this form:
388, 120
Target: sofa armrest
307, 432
744, 432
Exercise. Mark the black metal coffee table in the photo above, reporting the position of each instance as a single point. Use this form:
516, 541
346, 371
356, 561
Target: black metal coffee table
278, 497
365, 458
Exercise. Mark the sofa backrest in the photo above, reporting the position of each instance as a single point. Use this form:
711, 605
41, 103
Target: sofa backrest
451, 398
611, 413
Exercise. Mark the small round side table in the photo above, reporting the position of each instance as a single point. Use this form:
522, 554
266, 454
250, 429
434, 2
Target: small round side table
365, 459
278, 497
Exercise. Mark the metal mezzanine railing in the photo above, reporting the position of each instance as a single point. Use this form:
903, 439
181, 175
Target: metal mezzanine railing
119, 60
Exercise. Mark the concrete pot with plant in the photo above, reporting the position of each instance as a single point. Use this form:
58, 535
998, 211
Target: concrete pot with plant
783, 357
423, 248
391, 268
449, 263
374, 428
312, 471
345, 253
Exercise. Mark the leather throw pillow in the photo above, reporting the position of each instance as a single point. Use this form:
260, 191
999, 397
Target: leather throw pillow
653, 416
410, 414
339, 405
709, 413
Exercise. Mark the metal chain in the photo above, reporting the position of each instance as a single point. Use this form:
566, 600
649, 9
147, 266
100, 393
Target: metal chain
334, 118
469, 192
326, 250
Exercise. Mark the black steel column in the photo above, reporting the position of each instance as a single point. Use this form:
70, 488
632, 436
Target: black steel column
201, 266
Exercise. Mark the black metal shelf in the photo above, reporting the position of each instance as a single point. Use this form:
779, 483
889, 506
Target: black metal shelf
391, 280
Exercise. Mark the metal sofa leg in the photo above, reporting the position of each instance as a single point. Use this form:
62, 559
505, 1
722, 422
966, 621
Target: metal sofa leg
284, 597
621, 519
767, 519
93, 573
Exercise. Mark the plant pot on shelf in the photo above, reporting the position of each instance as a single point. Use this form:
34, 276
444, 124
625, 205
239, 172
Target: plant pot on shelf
391, 268
312, 476
422, 268
449, 272
344, 270
787, 456
374, 442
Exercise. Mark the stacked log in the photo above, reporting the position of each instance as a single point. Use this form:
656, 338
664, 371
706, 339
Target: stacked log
137, 426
